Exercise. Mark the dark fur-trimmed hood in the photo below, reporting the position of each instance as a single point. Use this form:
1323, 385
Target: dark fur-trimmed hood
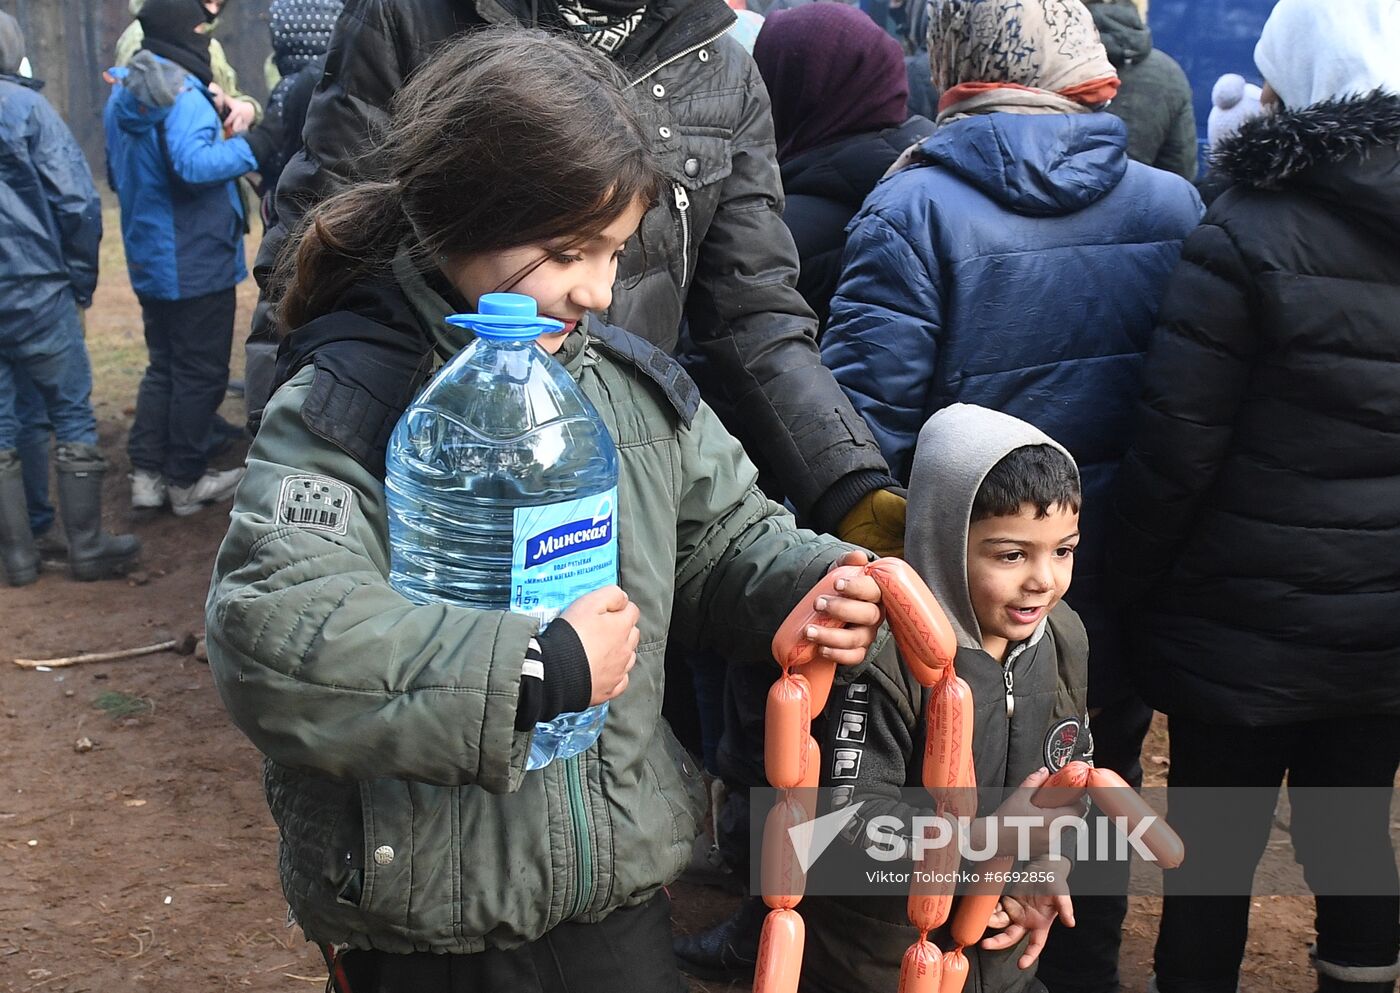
1271, 149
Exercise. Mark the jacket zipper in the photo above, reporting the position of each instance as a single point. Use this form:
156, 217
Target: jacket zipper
583, 888
1008, 678
679, 55
683, 205
681, 196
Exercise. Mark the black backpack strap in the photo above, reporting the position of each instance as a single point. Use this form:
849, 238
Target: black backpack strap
675, 383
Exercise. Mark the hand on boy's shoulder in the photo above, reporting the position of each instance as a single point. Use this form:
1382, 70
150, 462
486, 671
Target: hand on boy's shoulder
876, 523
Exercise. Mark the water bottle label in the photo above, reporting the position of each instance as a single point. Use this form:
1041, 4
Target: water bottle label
562, 551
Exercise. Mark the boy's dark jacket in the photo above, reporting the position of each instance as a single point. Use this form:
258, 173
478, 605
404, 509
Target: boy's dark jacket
716, 252
394, 772
874, 737
1259, 511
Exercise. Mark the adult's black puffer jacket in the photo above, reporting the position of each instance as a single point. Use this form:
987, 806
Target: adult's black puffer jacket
713, 250
1259, 510
825, 187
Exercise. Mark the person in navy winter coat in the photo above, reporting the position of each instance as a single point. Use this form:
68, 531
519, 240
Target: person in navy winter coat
1017, 263
183, 225
50, 227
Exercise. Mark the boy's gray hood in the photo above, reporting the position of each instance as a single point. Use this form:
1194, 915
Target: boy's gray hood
957, 447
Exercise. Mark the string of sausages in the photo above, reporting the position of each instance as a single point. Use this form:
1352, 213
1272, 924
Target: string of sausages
792, 762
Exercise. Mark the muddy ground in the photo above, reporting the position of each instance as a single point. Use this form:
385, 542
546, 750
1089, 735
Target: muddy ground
147, 862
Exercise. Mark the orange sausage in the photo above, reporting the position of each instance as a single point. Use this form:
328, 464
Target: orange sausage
779, 964
787, 726
1117, 799
967, 779
976, 906
806, 794
781, 879
812, 771
790, 644
921, 969
948, 746
820, 673
1064, 786
954, 972
921, 630
931, 886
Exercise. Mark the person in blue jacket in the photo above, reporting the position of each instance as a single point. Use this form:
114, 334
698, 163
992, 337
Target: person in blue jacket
1017, 263
183, 224
50, 227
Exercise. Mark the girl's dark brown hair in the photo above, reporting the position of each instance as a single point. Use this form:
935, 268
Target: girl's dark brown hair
506, 137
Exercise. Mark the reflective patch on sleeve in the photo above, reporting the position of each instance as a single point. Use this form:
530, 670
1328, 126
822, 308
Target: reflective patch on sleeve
315, 503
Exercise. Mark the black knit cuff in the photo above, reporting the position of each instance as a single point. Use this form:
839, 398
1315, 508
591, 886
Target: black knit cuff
829, 511
531, 698
568, 681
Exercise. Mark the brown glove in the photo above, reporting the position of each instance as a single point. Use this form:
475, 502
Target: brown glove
876, 523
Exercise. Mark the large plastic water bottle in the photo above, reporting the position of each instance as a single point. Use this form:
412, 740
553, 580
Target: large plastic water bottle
502, 489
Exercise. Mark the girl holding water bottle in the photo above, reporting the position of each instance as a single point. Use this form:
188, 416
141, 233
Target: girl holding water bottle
416, 849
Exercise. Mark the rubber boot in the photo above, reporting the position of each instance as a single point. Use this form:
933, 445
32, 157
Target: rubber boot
17, 551
92, 553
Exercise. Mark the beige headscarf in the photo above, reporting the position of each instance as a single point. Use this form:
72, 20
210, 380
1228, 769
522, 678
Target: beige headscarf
1017, 56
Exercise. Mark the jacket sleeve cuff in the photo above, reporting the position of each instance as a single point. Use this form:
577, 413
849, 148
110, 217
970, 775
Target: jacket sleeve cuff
568, 682
833, 506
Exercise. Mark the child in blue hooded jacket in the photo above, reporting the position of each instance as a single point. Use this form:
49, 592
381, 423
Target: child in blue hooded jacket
182, 225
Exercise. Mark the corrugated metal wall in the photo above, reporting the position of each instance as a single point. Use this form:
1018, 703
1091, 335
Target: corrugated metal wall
70, 43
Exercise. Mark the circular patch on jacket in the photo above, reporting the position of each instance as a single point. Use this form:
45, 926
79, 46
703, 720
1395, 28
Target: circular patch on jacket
1060, 742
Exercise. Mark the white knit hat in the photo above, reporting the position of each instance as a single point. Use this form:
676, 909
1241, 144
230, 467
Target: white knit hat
1233, 101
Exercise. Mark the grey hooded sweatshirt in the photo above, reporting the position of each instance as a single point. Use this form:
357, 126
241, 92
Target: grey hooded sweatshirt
874, 731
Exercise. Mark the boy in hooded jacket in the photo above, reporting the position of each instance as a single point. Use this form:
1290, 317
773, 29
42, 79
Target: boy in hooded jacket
996, 547
183, 222
1018, 264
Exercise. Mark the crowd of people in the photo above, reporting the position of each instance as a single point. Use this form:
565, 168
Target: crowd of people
937, 279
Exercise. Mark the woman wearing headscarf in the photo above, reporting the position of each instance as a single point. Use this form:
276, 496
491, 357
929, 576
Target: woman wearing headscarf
1259, 516
1017, 263
839, 95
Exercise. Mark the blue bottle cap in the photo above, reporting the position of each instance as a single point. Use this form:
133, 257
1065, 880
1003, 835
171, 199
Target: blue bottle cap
506, 317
